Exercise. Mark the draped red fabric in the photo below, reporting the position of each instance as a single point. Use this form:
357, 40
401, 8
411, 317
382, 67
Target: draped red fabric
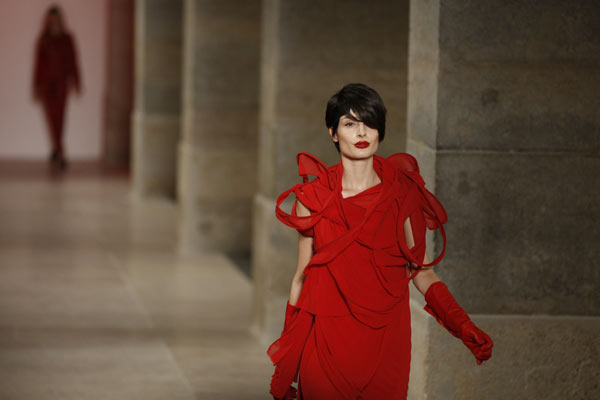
351, 336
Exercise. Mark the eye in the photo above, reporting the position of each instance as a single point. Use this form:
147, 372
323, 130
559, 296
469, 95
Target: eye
349, 123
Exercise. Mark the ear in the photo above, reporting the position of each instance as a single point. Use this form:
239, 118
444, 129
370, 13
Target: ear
333, 135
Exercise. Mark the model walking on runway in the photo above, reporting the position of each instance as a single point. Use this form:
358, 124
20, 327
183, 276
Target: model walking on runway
56, 72
362, 225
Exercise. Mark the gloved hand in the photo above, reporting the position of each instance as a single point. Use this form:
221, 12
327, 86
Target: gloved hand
291, 312
291, 394
442, 305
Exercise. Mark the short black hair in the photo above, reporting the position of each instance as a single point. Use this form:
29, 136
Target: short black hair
54, 10
364, 101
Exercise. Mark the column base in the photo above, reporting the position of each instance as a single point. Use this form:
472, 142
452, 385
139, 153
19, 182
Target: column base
155, 139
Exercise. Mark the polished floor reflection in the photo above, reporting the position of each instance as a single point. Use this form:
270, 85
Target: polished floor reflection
96, 304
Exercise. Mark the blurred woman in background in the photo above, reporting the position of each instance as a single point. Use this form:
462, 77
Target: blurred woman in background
56, 72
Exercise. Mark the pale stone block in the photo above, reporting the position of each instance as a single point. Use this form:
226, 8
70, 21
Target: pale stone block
274, 261
221, 75
535, 32
201, 172
155, 139
157, 75
423, 64
215, 213
525, 223
502, 107
534, 357
420, 325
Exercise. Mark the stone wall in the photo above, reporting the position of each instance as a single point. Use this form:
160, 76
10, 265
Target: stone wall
217, 151
503, 101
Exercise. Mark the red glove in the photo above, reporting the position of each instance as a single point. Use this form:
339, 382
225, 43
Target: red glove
291, 394
291, 312
441, 304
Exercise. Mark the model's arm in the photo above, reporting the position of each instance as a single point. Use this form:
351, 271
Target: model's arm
426, 276
305, 252
442, 305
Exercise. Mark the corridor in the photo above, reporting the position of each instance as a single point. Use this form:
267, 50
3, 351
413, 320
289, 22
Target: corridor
169, 281
96, 304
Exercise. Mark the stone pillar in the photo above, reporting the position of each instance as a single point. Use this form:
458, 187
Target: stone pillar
157, 93
217, 151
309, 51
503, 117
119, 91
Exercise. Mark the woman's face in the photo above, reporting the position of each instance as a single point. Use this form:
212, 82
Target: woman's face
54, 24
356, 139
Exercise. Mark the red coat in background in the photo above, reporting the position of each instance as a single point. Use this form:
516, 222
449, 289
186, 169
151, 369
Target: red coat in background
352, 335
55, 73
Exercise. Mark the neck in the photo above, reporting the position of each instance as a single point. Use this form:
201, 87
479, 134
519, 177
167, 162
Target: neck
358, 173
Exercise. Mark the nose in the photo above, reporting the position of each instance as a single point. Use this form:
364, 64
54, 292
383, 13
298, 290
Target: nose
362, 130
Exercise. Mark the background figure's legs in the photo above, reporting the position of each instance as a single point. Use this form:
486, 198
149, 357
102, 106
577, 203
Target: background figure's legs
54, 108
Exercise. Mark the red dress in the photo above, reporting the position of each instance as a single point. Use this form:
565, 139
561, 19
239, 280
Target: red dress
351, 337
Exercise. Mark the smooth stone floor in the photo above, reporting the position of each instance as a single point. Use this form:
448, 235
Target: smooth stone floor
96, 304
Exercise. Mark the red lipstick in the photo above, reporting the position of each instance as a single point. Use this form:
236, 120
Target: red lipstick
362, 144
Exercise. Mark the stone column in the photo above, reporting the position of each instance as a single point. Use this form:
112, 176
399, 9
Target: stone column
309, 51
119, 91
217, 150
157, 94
503, 117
